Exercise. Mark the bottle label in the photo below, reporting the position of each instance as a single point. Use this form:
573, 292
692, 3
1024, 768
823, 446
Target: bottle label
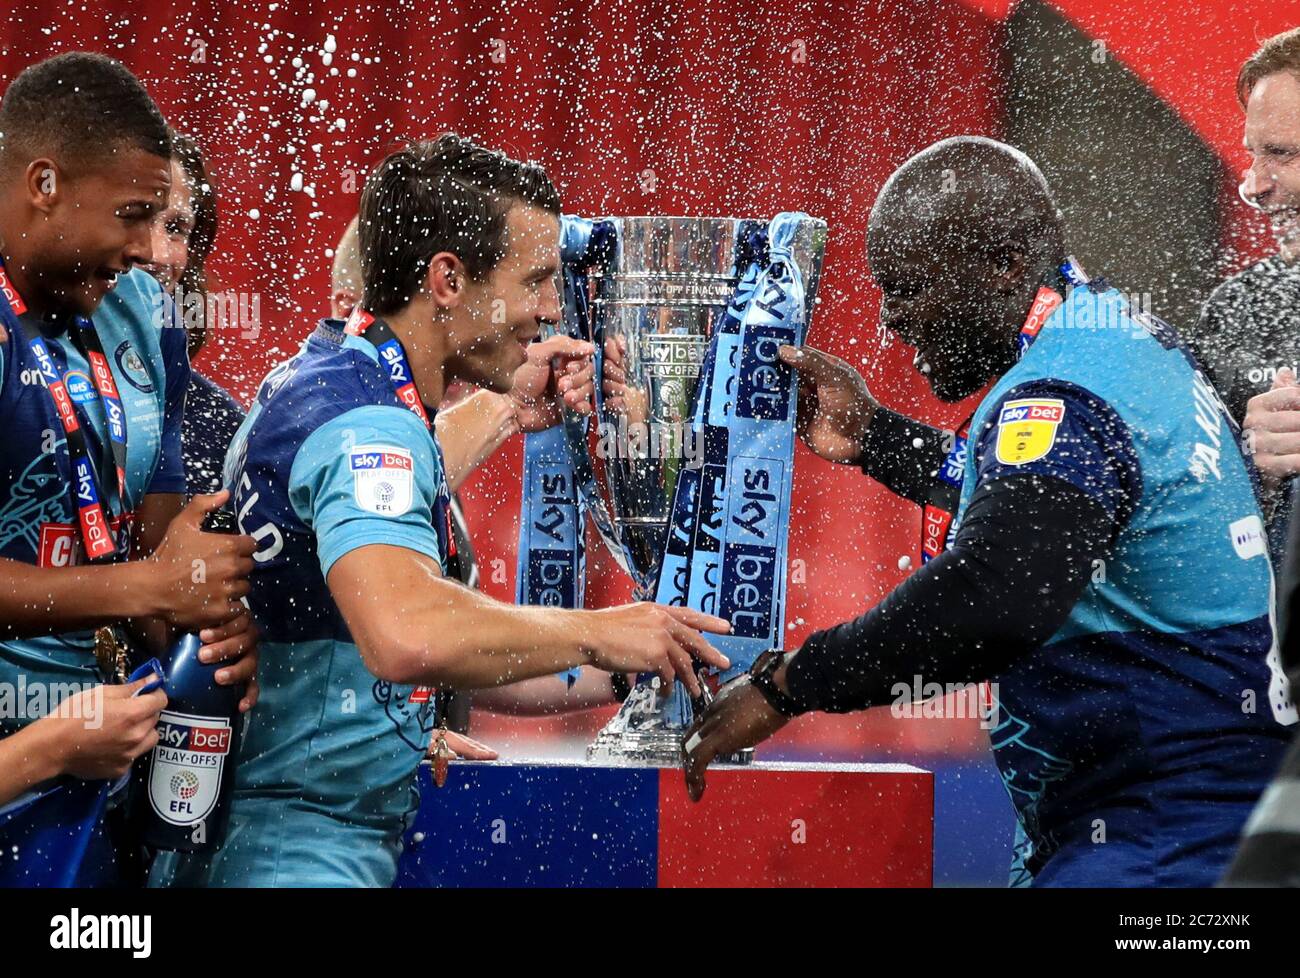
185, 771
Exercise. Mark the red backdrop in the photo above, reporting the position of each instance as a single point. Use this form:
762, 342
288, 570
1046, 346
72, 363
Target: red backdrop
720, 107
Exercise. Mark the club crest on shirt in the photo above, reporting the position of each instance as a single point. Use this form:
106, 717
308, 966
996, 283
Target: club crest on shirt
133, 368
382, 478
1027, 429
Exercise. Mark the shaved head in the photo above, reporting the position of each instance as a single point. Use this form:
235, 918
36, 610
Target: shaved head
960, 238
970, 195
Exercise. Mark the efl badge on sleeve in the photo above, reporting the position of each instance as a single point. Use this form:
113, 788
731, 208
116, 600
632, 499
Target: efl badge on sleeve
1027, 429
382, 478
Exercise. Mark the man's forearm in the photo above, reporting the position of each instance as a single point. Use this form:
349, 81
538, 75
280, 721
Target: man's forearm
548, 695
470, 641
49, 600
413, 625
903, 455
963, 617
154, 514
470, 431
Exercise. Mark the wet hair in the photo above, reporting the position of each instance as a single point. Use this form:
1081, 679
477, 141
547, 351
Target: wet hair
203, 202
446, 194
81, 108
1281, 52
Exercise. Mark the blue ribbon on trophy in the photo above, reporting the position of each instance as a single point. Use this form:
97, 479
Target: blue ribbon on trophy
551, 563
692, 495
730, 527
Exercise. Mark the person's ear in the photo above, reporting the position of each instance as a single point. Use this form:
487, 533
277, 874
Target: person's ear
343, 302
445, 280
1010, 268
43, 183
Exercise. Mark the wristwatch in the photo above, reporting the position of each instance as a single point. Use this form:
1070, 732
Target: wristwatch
760, 677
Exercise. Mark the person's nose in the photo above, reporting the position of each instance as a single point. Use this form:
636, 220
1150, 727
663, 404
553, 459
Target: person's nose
897, 324
1256, 183
549, 307
139, 246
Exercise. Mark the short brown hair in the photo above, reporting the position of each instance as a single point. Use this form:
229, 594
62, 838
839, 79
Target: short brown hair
445, 195
1281, 52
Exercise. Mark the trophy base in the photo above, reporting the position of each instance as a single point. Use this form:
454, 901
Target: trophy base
644, 733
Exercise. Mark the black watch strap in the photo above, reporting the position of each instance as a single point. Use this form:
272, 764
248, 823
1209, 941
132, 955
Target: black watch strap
760, 677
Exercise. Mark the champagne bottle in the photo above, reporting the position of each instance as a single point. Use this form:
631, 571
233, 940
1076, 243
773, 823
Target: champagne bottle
185, 782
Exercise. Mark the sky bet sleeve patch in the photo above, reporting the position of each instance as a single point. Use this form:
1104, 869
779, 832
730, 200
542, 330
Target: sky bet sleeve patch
1059, 430
1027, 429
382, 478
369, 476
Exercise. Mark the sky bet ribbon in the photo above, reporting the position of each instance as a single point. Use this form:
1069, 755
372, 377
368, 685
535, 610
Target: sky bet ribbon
936, 519
726, 550
551, 563
89, 502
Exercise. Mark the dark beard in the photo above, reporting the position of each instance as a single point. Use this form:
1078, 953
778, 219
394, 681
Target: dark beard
976, 371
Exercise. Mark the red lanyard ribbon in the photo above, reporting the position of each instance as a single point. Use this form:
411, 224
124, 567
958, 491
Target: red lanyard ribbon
945, 495
88, 499
393, 356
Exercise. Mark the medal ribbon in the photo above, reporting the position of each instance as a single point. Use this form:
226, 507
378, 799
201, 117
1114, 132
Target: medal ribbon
88, 499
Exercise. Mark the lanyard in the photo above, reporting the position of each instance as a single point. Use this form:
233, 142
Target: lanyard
381, 335
96, 533
945, 494
385, 341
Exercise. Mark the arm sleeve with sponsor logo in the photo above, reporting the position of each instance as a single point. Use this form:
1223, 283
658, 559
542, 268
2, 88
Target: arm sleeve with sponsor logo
169, 477
1062, 431
369, 476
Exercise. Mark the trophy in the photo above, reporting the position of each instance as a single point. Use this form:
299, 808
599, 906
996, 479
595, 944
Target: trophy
655, 290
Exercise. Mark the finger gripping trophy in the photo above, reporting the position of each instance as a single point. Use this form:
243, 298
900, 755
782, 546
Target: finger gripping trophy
685, 467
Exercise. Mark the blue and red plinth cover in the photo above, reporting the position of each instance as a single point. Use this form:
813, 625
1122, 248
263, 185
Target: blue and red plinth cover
564, 823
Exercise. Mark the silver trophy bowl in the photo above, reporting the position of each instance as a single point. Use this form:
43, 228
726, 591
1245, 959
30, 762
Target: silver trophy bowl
656, 296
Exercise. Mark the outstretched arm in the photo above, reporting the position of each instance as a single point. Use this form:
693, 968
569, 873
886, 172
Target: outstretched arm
412, 625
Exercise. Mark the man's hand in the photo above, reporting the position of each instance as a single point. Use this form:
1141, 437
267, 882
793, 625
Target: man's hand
201, 576
835, 406
739, 717
620, 397
234, 642
646, 637
559, 372
1272, 429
